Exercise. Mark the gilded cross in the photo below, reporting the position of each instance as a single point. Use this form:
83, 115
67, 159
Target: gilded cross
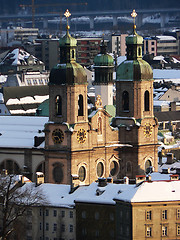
67, 14
134, 15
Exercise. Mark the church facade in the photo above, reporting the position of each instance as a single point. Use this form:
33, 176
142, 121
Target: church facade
80, 148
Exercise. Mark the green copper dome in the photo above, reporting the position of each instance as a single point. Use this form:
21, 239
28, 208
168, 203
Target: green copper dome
103, 59
134, 39
68, 71
134, 70
67, 40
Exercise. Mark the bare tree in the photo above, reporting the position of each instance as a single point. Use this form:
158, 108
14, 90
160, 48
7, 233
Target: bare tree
15, 197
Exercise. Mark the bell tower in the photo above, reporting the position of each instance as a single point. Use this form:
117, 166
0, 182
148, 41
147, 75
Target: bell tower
67, 109
68, 85
103, 66
134, 110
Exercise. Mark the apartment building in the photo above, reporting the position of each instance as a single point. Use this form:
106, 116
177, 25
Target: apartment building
87, 49
150, 210
149, 46
118, 44
167, 45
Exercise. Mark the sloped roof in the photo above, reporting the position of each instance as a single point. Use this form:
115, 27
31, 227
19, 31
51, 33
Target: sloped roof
25, 99
18, 56
167, 116
157, 191
19, 131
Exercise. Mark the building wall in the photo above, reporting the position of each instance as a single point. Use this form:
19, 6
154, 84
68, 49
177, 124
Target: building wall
95, 221
167, 47
51, 223
149, 47
119, 44
87, 49
138, 224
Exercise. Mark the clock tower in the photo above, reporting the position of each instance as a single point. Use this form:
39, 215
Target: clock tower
134, 111
67, 111
76, 144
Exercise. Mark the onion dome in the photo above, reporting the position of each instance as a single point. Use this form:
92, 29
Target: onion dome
103, 66
134, 68
103, 59
68, 71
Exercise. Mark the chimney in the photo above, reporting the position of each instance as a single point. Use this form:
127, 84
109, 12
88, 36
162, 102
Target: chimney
109, 180
102, 182
126, 180
170, 157
39, 178
173, 106
140, 178
148, 178
174, 177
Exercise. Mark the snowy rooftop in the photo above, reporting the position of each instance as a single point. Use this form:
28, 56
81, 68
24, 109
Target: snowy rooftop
19, 131
102, 195
170, 74
156, 191
165, 38
18, 56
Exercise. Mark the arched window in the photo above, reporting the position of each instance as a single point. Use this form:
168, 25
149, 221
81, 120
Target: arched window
99, 126
58, 172
125, 101
100, 169
139, 52
148, 166
58, 105
146, 101
80, 106
11, 167
72, 53
114, 168
82, 173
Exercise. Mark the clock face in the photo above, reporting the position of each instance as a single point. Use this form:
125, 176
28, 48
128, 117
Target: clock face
81, 135
148, 130
58, 136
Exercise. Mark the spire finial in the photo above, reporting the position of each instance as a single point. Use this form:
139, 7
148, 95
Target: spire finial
67, 14
134, 15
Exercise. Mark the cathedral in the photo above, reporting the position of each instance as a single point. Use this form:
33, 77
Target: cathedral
80, 148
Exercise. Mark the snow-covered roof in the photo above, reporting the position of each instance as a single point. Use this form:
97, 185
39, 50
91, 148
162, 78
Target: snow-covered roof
157, 191
18, 56
102, 195
169, 74
165, 38
161, 103
19, 131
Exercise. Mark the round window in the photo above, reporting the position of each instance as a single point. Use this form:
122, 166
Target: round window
113, 168
82, 173
100, 169
58, 174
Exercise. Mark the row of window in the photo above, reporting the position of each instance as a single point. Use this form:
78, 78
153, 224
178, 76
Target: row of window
55, 213
164, 214
96, 233
58, 105
96, 215
55, 227
164, 231
125, 101
37, 82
